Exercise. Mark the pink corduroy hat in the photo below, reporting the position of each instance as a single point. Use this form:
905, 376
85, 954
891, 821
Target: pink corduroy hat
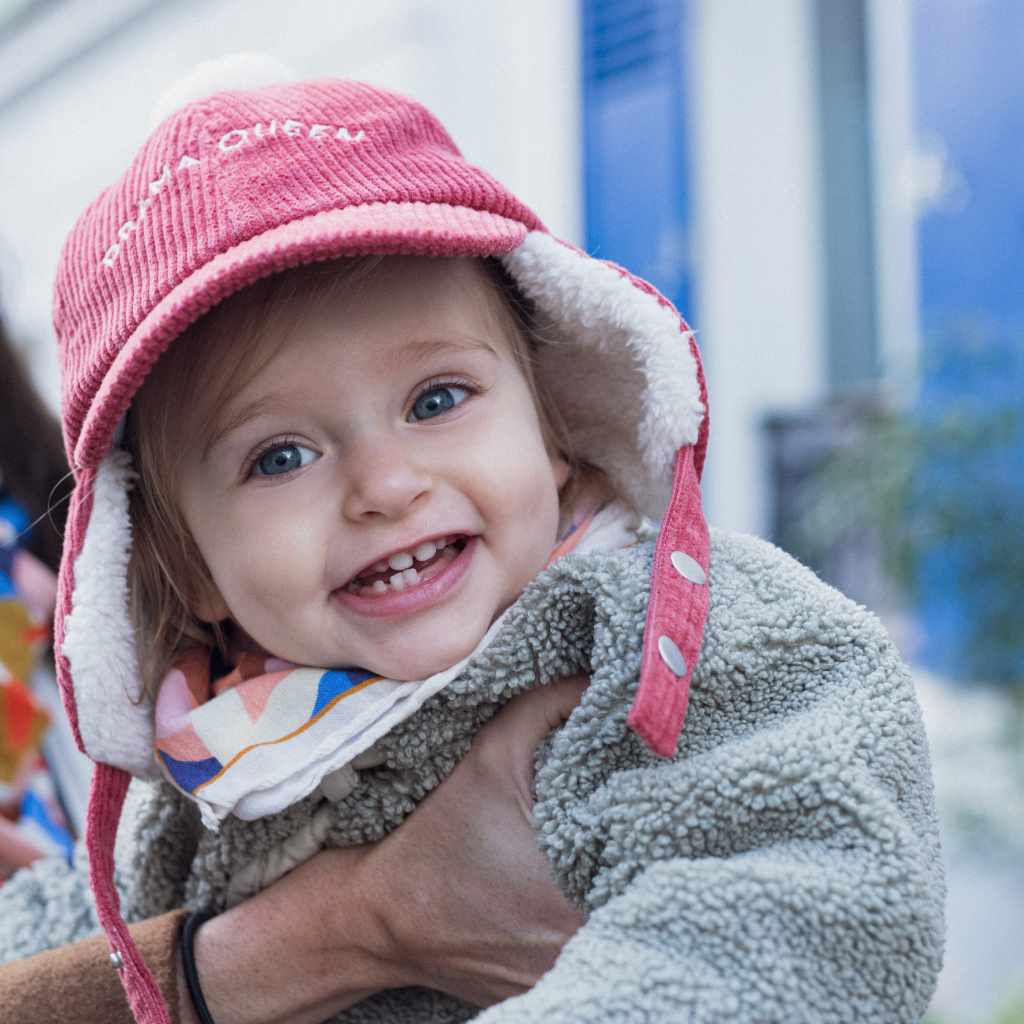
246, 183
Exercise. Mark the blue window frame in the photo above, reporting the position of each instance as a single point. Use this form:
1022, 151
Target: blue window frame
636, 180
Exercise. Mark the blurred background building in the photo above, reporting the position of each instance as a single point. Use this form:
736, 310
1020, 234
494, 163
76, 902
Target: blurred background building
832, 191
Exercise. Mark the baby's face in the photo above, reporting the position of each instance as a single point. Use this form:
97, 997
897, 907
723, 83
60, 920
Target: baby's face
380, 491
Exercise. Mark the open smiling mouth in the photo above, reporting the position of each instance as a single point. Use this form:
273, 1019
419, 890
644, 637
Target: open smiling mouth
407, 569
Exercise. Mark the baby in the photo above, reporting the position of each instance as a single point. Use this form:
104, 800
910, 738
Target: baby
361, 453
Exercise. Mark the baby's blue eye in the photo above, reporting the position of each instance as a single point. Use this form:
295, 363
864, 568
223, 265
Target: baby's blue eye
438, 400
283, 458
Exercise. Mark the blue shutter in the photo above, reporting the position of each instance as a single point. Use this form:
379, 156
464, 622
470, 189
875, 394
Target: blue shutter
636, 182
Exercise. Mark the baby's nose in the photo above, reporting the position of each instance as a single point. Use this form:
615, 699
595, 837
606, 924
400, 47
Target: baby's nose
383, 480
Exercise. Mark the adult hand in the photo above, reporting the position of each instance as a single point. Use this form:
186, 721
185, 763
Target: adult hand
459, 898
466, 896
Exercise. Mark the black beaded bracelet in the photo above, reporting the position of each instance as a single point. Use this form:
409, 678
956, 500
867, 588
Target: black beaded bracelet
188, 962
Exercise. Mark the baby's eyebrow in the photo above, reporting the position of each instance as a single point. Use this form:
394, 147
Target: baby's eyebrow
422, 349
258, 407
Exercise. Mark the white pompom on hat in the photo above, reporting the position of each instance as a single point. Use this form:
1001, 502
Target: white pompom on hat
232, 71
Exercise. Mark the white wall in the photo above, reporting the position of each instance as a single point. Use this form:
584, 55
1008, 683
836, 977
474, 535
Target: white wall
759, 299
502, 76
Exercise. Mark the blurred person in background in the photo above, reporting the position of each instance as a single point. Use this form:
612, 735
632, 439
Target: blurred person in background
32, 467
32, 462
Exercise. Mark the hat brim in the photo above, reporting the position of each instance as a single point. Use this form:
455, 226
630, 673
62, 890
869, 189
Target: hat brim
413, 229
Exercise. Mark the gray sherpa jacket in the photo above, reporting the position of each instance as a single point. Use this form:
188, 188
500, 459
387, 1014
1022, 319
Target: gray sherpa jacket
784, 866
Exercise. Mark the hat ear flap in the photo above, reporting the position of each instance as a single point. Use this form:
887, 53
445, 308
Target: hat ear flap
617, 363
624, 370
99, 658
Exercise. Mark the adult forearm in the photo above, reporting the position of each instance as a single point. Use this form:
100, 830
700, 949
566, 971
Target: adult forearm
78, 981
262, 963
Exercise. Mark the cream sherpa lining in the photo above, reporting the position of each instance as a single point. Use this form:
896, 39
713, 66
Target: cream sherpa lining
620, 371
116, 725
623, 375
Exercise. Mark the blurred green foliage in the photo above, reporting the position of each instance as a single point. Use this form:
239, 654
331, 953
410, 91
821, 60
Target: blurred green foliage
1010, 1011
943, 481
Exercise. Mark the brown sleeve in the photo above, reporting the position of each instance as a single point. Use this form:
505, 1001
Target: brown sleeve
79, 982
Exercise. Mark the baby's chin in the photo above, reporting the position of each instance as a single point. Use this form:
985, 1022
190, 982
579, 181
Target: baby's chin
404, 662
412, 667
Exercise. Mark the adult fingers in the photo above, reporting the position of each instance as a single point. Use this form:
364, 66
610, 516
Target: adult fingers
510, 740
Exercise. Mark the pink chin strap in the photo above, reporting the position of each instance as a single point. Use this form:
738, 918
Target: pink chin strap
106, 800
676, 613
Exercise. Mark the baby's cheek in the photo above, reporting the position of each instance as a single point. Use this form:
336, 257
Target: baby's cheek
256, 569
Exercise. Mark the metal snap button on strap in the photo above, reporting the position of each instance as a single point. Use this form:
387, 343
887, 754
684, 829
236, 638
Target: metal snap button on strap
687, 567
117, 960
672, 656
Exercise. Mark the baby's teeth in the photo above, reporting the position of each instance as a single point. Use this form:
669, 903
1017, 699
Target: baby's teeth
379, 587
426, 550
380, 567
404, 579
400, 561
